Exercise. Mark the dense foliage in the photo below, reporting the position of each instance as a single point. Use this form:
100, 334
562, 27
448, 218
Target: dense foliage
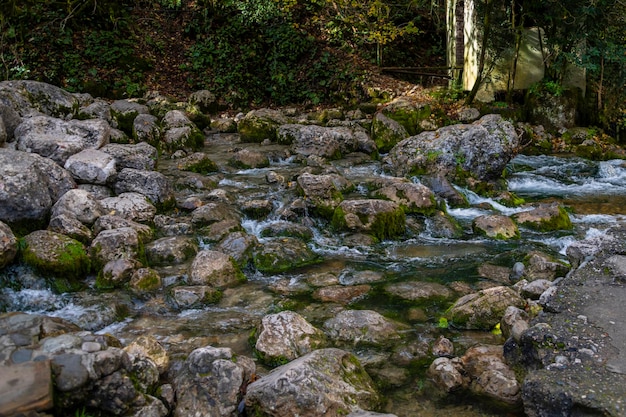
253, 51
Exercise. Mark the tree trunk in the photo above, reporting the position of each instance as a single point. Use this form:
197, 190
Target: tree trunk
483, 51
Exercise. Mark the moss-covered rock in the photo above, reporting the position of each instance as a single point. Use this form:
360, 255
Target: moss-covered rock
408, 114
283, 254
545, 218
484, 309
496, 226
56, 254
380, 218
259, 125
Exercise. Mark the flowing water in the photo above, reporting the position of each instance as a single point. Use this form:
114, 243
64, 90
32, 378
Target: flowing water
594, 192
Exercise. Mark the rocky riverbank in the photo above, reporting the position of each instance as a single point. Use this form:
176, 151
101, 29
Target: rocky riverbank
126, 205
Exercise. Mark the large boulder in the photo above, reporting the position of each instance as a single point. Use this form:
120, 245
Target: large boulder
323, 193
387, 132
285, 336
29, 186
480, 150
180, 133
56, 254
113, 244
80, 205
171, 250
545, 218
484, 309
282, 254
496, 226
261, 124
130, 206
59, 139
413, 198
139, 156
327, 142
152, 184
31, 98
10, 120
210, 382
362, 327
91, 166
326, 382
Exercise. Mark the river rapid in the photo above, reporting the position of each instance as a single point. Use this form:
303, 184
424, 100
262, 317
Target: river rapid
593, 192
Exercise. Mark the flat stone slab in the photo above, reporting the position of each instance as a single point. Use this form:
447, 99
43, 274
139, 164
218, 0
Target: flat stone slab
25, 387
575, 350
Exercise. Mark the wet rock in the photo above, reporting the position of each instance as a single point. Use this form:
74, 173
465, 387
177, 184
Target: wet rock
491, 376
413, 198
285, 336
481, 150
146, 129
198, 162
195, 296
8, 245
149, 347
443, 347
341, 294
145, 281
362, 327
154, 185
420, 292
239, 245
247, 159
261, 124
539, 265
442, 225
448, 374
130, 206
443, 188
215, 269
323, 192
257, 209
80, 205
496, 226
514, 322
544, 218
287, 229
496, 273
171, 250
110, 222
351, 277
387, 132
380, 218
57, 139
212, 213
282, 254
120, 243
140, 156
31, 185
484, 309
56, 254
323, 382
210, 382
124, 112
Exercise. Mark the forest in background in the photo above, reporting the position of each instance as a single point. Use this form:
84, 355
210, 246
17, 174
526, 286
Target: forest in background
278, 52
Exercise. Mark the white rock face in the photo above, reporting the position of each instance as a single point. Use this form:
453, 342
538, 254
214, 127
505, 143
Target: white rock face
91, 166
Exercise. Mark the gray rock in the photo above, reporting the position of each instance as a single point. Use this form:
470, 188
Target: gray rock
211, 212
130, 206
387, 132
8, 245
70, 226
117, 272
413, 198
261, 124
282, 254
108, 222
246, 159
80, 205
151, 184
323, 192
91, 166
195, 296
483, 310
381, 218
146, 129
514, 322
362, 327
57, 139
543, 266
285, 336
110, 245
141, 156
325, 142
31, 98
205, 100
545, 218
534, 289
56, 254
97, 109
447, 374
419, 291
171, 250
214, 269
210, 381
124, 112
10, 120
31, 185
481, 149
323, 382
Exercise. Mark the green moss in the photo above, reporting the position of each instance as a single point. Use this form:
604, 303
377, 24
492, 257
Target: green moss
69, 260
203, 166
125, 121
560, 222
389, 225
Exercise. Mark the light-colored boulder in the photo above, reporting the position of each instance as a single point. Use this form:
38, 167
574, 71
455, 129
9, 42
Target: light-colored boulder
544, 218
413, 198
57, 139
56, 254
8, 245
78, 204
172, 250
109, 245
325, 382
380, 218
496, 226
91, 166
447, 374
362, 327
484, 309
130, 206
387, 132
215, 269
152, 184
285, 336
138, 156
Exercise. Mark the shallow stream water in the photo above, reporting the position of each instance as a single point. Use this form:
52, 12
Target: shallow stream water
594, 192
